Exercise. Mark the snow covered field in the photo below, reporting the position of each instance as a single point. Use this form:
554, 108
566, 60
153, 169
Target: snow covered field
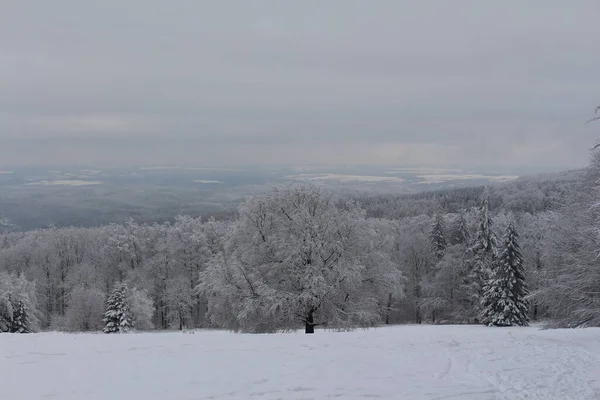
406, 362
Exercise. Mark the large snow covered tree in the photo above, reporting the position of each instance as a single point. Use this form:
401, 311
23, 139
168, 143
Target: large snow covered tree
483, 251
18, 304
569, 284
117, 317
504, 296
297, 256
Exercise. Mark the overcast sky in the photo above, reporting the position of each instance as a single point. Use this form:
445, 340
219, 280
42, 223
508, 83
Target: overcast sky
268, 82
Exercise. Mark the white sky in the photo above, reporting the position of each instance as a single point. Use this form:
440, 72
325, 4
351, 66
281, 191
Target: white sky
314, 81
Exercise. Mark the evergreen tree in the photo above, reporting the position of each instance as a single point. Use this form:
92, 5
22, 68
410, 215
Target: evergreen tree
460, 230
17, 304
117, 316
485, 239
503, 301
483, 252
20, 320
438, 237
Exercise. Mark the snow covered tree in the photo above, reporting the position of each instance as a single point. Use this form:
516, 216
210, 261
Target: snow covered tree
483, 251
141, 308
117, 317
438, 236
569, 284
446, 296
504, 293
293, 257
460, 230
485, 241
20, 322
85, 308
18, 304
179, 301
412, 252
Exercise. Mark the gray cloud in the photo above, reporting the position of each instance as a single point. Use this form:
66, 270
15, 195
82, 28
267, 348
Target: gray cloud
341, 81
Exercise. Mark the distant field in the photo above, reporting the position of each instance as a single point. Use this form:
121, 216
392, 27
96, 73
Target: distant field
39, 197
406, 362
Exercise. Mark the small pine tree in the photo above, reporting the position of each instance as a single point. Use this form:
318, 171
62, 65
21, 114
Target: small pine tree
20, 320
117, 316
438, 237
503, 301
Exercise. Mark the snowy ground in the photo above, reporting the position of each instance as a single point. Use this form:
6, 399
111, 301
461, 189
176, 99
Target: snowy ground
407, 362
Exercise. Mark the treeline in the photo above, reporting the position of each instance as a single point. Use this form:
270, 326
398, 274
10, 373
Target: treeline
522, 196
301, 256
293, 257
74, 269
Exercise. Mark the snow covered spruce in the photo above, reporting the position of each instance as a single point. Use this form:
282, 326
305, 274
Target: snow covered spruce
127, 309
484, 252
504, 293
296, 256
117, 316
18, 304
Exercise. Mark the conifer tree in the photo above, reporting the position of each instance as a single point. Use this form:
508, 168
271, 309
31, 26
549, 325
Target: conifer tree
483, 252
460, 230
503, 301
17, 304
117, 316
438, 237
485, 241
20, 320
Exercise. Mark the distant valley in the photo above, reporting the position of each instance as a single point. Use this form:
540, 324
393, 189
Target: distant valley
34, 197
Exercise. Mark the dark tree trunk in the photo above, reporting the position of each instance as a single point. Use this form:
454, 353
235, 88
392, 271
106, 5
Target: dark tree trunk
310, 324
309, 328
388, 310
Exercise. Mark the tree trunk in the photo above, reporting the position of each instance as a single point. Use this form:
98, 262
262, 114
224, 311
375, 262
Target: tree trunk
388, 310
309, 328
310, 324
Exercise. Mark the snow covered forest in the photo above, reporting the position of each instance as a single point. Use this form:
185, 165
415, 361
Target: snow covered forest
301, 256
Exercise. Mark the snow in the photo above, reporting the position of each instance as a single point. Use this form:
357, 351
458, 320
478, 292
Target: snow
206, 181
343, 178
74, 182
166, 168
428, 170
441, 178
406, 362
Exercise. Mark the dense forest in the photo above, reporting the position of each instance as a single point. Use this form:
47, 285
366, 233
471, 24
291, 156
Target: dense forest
301, 256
